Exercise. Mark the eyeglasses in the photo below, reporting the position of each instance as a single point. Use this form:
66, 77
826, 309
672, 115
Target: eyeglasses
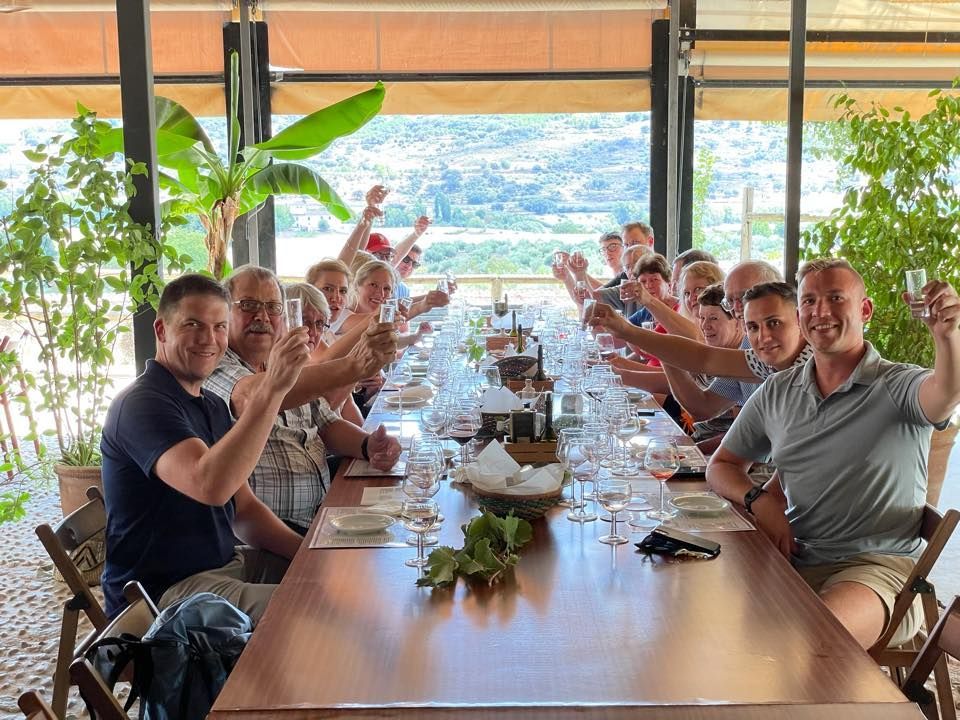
318, 325
253, 306
410, 261
613, 247
730, 303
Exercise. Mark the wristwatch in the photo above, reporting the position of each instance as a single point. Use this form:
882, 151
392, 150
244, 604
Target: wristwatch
752, 494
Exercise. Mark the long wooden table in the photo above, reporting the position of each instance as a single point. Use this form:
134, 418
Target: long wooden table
581, 629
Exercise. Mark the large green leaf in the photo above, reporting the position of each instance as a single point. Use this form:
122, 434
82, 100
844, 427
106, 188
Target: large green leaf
292, 179
175, 119
111, 141
313, 133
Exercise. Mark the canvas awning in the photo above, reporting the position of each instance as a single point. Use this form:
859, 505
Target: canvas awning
572, 56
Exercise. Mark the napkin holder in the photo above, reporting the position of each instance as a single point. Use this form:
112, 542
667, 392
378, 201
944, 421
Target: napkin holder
493, 425
532, 453
538, 385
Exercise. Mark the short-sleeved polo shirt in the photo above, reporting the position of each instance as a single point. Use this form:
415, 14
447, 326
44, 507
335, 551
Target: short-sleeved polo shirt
156, 534
853, 465
291, 476
402, 290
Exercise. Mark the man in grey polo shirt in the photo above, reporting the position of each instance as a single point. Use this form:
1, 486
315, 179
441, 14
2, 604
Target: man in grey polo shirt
849, 433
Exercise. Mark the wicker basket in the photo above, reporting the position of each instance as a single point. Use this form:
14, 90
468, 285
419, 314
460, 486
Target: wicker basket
516, 366
527, 507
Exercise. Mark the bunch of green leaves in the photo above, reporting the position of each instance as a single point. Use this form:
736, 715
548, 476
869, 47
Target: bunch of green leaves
902, 212
476, 345
66, 253
489, 550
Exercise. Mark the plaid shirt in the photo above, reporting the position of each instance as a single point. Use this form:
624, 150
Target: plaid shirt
291, 476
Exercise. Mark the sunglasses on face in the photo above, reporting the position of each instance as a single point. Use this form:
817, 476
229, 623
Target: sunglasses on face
410, 261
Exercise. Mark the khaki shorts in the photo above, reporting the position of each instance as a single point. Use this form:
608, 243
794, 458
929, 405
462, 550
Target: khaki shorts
884, 574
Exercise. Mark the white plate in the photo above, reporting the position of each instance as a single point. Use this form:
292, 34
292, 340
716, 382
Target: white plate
408, 402
699, 504
361, 523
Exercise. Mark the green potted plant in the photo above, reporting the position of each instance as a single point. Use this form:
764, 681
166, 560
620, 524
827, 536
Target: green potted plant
66, 252
220, 190
901, 212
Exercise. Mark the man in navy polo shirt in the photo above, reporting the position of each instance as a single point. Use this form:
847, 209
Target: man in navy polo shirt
175, 471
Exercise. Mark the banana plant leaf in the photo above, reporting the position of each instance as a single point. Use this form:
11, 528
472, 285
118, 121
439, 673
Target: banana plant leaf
314, 133
291, 179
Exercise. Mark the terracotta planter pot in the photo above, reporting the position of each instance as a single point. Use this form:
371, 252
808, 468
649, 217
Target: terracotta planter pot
940, 446
74, 482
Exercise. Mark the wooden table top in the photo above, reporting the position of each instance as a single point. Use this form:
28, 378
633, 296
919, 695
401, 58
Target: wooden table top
581, 627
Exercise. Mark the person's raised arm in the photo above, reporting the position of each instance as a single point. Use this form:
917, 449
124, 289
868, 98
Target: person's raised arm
940, 391
340, 346
673, 322
701, 404
212, 475
433, 299
376, 347
680, 352
361, 233
403, 247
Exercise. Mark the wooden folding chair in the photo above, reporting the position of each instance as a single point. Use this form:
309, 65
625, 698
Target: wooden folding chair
943, 639
936, 530
33, 707
135, 620
75, 529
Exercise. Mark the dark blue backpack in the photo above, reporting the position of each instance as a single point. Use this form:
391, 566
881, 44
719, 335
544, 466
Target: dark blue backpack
182, 661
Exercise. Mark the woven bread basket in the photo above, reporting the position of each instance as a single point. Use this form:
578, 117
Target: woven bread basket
527, 507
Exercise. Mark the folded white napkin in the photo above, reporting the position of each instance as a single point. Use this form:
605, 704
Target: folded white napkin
496, 471
499, 400
530, 350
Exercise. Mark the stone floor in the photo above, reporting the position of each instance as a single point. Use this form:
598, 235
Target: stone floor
31, 601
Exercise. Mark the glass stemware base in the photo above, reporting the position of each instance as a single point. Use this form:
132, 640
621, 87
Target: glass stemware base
427, 540
613, 539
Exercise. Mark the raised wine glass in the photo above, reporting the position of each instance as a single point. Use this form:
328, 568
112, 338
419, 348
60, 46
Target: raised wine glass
613, 495
662, 460
419, 515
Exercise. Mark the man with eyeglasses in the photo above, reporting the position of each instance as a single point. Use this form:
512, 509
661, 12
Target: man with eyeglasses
175, 465
292, 475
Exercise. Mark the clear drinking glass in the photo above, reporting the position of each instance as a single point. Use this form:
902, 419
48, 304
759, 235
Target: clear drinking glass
915, 280
578, 455
293, 313
661, 460
564, 441
613, 496
388, 311
606, 345
419, 516
400, 376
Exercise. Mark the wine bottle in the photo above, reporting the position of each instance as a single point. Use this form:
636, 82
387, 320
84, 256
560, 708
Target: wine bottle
549, 435
513, 323
520, 342
541, 375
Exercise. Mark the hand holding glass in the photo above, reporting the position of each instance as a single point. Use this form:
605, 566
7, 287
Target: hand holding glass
915, 281
293, 313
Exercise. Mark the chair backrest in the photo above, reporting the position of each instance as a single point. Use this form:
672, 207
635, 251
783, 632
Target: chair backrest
944, 638
75, 529
935, 529
135, 620
33, 707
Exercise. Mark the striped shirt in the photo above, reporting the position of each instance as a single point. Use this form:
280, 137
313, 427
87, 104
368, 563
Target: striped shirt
291, 476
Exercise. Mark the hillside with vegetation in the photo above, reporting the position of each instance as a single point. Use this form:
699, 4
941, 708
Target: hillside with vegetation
505, 190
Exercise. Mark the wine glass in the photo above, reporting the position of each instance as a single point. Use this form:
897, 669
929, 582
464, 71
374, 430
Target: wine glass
490, 376
400, 376
662, 460
465, 423
564, 441
419, 516
613, 496
578, 456
606, 345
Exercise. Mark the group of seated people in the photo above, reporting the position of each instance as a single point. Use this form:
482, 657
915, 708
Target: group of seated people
783, 375
227, 434
215, 460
